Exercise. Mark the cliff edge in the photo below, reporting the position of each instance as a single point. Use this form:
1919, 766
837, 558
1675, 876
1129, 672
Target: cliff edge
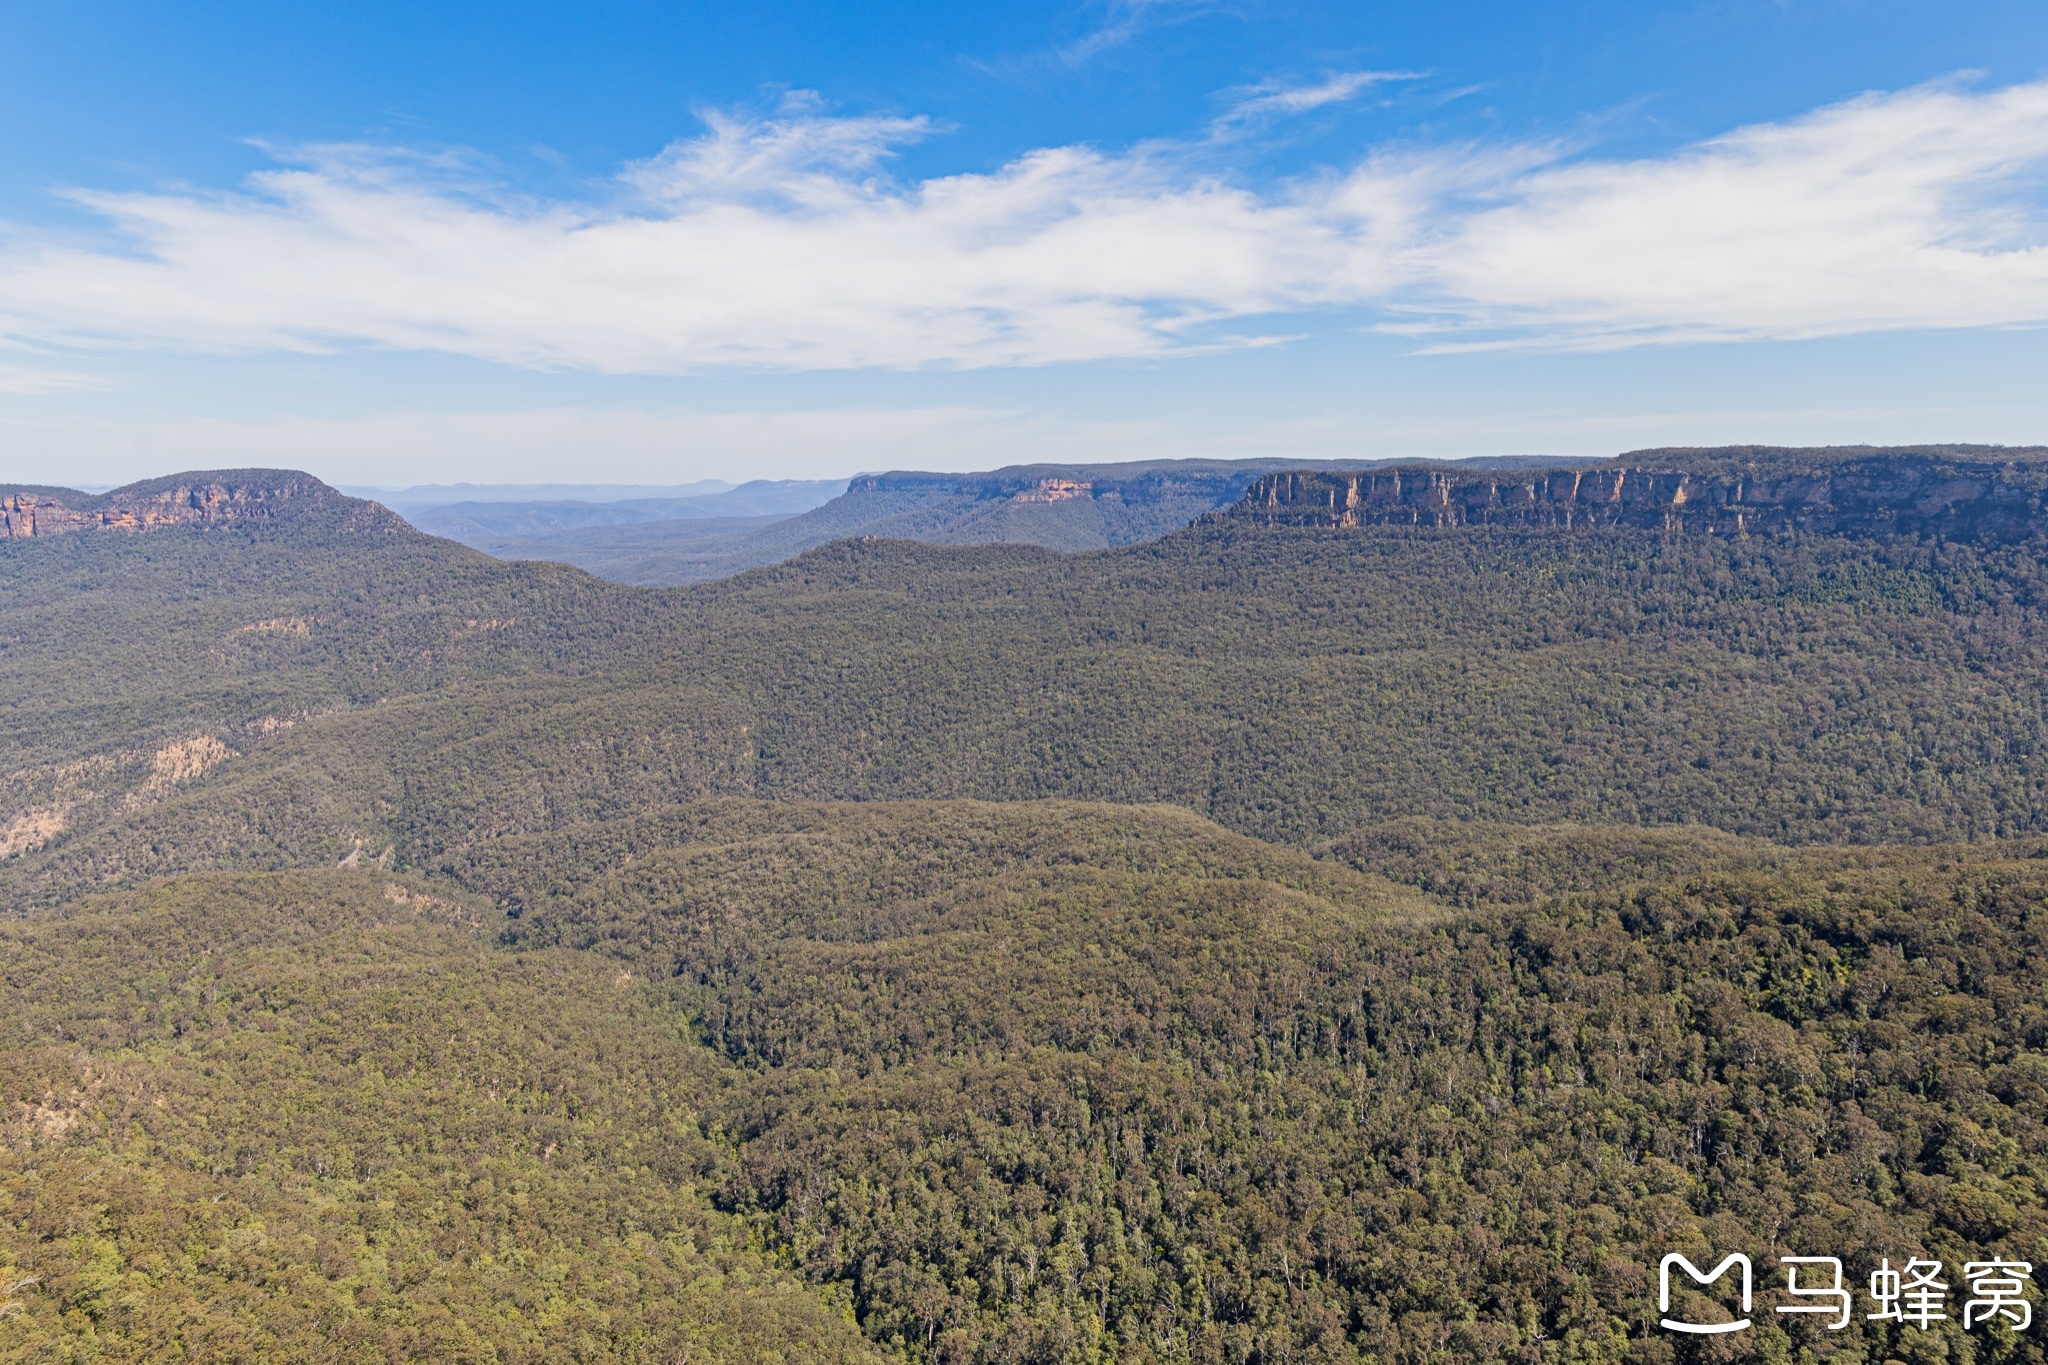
1961, 492
202, 498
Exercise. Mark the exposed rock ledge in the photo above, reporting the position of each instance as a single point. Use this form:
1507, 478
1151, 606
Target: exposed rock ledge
1962, 492
236, 495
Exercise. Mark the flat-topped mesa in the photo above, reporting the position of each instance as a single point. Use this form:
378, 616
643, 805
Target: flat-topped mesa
1058, 483
206, 498
1961, 492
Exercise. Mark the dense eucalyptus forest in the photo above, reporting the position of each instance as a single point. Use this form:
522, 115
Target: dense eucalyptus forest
1265, 943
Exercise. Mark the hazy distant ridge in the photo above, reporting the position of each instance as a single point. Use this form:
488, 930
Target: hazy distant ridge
1059, 506
479, 519
424, 495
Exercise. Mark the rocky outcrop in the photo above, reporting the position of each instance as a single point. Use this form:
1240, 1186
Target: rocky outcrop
1055, 490
201, 499
1961, 492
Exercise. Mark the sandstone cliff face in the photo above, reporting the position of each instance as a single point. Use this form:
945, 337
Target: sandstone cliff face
182, 500
1931, 491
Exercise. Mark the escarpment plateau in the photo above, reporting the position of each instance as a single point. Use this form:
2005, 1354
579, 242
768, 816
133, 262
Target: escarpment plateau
1987, 493
207, 498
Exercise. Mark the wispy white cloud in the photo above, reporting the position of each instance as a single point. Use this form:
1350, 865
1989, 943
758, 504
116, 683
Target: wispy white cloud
1274, 100
1124, 20
799, 159
1110, 25
784, 243
1911, 210
29, 379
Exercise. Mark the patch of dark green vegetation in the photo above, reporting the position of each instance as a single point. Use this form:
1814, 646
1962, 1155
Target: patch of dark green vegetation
1265, 944
1018, 1082
1291, 684
312, 1117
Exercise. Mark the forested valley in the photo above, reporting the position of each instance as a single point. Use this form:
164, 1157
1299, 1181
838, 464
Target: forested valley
1267, 943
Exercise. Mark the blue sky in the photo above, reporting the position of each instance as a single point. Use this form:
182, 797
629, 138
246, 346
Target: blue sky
652, 243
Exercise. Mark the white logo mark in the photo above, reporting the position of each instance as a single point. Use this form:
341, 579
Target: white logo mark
1664, 1291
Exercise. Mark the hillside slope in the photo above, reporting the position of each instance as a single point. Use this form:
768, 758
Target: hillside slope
137, 656
300, 1118
1341, 944
1017, 1082
300, 698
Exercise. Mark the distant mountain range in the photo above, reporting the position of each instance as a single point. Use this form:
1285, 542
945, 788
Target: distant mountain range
1973, 492
419, 496
669, 541
481, 519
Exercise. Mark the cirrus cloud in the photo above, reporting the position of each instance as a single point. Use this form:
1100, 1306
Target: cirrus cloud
784, 244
